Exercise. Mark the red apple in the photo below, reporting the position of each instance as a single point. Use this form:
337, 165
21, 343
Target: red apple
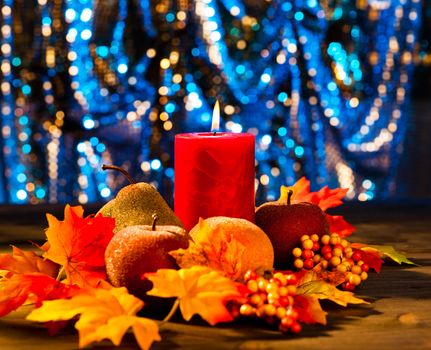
285, 223
138, 249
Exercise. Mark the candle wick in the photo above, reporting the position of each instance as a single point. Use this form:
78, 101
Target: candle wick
215, 132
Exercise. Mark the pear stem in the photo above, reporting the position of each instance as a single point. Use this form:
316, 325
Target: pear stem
171, 313
155, 218
289, 196
121, 170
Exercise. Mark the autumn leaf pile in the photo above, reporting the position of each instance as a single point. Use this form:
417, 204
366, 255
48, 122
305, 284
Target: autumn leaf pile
69, 280
65, 280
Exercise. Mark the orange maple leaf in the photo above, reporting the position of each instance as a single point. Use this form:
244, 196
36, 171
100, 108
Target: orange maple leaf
199, 290
34, 287
79, 244
214, 248
21, 261
300, 189
325, 198
103, 314
309, 310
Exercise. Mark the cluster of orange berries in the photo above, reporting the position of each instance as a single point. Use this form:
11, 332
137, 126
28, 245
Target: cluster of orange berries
272, 298
333, 253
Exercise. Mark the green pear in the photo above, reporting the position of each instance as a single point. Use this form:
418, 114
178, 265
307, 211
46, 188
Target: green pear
135, 205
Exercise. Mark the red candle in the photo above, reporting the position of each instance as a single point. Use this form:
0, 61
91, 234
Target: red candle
214, 176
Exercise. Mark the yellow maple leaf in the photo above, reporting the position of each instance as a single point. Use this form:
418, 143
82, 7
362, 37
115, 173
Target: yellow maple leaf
314, 283
104, 314
199, 290
324, 290
214, 248
387, 251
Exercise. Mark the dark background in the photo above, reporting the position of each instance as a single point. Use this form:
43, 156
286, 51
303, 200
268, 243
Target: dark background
414, 173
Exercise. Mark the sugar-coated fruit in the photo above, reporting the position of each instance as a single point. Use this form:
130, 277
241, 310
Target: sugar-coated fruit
258, 253
139, 249
135, 205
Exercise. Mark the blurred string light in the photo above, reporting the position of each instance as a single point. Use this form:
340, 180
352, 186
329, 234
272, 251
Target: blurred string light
116, 86
13, 189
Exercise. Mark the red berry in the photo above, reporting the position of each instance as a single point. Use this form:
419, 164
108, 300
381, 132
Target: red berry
309, 264
326, 249
284, 301
327, 256
316, 246
286, 322
291, 279
348, 286
250, 275
356, 256
292, 312
365, 267
307, 254
339, 246
296, 327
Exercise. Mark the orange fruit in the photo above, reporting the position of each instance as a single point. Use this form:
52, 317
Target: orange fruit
258, 252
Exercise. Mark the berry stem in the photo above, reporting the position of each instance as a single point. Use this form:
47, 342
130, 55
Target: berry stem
171, 313
121, 170
289, 196
155, 218
60, 274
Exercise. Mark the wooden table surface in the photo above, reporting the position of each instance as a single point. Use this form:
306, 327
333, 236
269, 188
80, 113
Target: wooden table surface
399, 316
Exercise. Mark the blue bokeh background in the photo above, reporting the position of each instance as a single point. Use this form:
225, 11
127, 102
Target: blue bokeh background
325, 87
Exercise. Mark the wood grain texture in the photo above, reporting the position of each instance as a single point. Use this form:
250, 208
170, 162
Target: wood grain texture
399, 316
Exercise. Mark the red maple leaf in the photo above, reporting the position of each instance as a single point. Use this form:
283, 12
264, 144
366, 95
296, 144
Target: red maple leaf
338, 225
78, 244
325, 198
34, 287
371, 258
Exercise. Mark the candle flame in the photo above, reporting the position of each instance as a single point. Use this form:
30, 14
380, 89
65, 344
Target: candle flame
215, 125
